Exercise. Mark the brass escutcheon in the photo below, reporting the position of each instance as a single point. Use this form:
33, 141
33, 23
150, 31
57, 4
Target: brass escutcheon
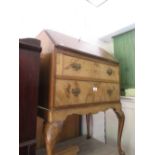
76, 66
109, 71
109, 91
76, 91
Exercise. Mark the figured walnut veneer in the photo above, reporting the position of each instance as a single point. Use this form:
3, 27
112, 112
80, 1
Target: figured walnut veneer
73, 92
75, 82
83, 68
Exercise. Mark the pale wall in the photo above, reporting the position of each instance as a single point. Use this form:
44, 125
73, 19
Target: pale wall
97, 127
128, 137
108, 46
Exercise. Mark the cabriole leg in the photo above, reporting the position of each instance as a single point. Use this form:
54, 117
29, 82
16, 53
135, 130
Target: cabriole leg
121, 119
88, 119
51, 132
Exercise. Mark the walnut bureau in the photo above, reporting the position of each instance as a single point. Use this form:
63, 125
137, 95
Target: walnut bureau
73, 81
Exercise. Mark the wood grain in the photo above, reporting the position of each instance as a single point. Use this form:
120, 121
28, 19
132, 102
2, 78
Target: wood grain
89, 92
73, 66
71, 129
52, 129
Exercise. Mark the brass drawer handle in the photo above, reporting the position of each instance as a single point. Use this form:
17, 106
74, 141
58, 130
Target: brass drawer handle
76, 66
109, 92
109, 71
76, 91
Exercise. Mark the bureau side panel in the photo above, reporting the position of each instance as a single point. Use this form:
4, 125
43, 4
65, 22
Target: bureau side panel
46, 71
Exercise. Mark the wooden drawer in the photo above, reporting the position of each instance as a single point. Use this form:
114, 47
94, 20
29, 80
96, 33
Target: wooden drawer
71, 92
82, 68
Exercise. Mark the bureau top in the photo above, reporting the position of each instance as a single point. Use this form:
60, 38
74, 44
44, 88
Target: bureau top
60, 40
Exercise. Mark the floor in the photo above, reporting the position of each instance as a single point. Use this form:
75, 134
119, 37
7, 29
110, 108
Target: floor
87, 147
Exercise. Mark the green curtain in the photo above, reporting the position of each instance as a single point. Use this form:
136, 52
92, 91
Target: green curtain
124, 51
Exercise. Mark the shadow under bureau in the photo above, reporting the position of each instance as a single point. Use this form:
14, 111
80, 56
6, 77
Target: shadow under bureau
73, 81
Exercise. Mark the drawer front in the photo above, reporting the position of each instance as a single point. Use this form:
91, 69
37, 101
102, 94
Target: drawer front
77, 67
71, 92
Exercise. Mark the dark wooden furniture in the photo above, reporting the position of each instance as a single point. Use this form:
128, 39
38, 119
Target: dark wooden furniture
75, 82
29, 66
